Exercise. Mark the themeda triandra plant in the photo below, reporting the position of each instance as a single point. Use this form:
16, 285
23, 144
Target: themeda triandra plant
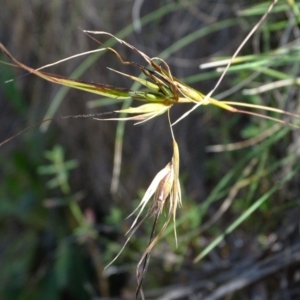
160, 92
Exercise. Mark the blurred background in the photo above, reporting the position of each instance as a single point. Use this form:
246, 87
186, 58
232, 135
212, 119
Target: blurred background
63, 200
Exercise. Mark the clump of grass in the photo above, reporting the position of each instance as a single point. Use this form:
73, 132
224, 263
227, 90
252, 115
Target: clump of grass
161, 91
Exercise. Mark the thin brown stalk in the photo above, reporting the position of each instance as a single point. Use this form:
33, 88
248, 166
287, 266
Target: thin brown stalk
145, 263
51, 119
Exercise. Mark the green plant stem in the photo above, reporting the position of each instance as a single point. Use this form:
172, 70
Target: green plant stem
77, 213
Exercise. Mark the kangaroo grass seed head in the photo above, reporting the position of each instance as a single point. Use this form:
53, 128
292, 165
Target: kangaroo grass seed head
160, 87
143, 112
164, 190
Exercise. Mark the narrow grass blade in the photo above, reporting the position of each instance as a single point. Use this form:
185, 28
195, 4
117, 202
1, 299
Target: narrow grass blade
245, 215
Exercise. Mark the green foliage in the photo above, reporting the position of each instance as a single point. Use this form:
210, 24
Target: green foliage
58, 168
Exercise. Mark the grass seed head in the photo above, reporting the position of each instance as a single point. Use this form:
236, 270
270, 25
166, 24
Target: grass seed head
163, 191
